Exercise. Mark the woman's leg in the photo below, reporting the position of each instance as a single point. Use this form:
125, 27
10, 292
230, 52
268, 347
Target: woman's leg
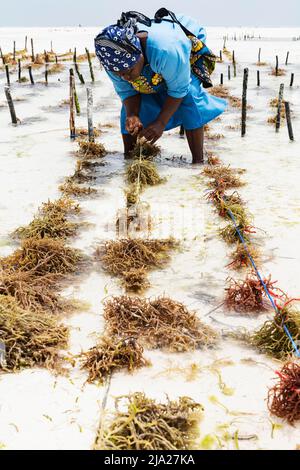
195, 139
129, 142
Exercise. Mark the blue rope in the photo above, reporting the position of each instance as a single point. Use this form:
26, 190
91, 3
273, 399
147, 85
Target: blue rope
286, 330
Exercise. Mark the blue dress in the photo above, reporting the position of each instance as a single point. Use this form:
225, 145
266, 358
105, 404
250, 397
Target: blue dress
168, 52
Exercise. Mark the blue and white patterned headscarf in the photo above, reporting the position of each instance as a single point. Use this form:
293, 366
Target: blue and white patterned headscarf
117, 47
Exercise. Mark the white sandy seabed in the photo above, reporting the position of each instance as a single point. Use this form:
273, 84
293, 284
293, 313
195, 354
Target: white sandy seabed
41, 411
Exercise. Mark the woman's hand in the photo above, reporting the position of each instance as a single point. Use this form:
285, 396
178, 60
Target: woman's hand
133, 125
153, 132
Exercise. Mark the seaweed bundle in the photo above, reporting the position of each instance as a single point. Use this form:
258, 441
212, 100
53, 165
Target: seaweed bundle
273, 119
143, 172
240, 258
231, 236
83, 57
229, 209
219, 90
248, 295
215, 195
149, 425
130, 259
227, 179
233, 127
210, 136
227, 53
261, 64
284, 397
228, 202
33, 292
221, 171
79, 176
82, 132
272, 339
233, 199
56, 68
52, 221
132, 194
274, 103
30, 338
236, 102
239, 212
145, 149
73, 189
112, 354
278, 72
91, 149
213, 159
161, 323
22, 80
218, 197
43, 256
39, 59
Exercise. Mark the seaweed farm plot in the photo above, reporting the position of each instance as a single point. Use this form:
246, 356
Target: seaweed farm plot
126, 295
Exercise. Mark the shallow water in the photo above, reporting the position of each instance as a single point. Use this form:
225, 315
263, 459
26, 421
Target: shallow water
38, 410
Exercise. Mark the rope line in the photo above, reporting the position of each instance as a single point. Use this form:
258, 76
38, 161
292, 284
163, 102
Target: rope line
286, 330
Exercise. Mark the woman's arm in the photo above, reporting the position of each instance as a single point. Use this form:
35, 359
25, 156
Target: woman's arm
155, 130
132, 106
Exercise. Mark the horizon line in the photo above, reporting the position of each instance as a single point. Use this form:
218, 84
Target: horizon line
206, 26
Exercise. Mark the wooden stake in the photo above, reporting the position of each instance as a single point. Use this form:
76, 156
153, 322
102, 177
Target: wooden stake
288, 120
46, 74
51, 47
25, 47
280, 98
14, 53
32, 51
292, 79
76, 101
233, 57
2, 56
10, 103
30, 75
244, 101
234, 69
258, 78
229, 73
46, 56
276, 66
90, 114
56, 59
221, 56
222, 79
90, 65
259, 55
77, 68
287, 58
19, 70
7, 74
72, 117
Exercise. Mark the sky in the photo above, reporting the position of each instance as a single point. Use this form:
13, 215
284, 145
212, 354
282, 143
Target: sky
103, 12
